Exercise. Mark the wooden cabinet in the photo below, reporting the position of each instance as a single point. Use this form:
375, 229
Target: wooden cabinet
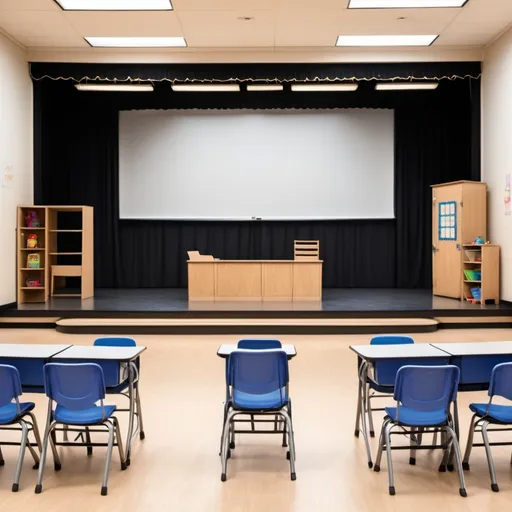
459, 216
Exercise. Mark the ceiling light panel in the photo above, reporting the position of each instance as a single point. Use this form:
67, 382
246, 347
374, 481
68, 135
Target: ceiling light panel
137, 42
115, 87
206, 87
409, 86
115, 5
387, 40
404, 4
324, 87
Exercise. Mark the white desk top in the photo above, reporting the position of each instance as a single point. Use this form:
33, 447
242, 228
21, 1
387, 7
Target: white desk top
417, 350
483, 348
29, 351
92, 353
225, 350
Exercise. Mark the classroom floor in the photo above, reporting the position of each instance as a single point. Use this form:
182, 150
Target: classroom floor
177, 467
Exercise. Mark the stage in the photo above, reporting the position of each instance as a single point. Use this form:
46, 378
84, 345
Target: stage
161, 310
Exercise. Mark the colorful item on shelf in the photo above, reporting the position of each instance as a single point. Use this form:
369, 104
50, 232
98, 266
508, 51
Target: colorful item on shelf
32, 220
477, 293
33, 261
32, 241
34, 283
473, 275
479, 241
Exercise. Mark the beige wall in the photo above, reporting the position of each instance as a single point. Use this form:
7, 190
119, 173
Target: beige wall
497, 148
16, 149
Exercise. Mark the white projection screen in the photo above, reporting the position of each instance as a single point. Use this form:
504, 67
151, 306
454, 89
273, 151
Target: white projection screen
247, 164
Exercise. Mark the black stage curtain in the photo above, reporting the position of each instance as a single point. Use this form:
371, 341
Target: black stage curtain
76, 162
248, 72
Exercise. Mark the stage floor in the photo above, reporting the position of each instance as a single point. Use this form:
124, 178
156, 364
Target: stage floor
335, 303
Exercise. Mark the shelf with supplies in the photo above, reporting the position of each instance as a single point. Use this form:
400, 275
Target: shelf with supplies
480, 273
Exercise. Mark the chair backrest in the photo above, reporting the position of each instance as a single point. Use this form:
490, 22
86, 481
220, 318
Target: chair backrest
10, 384
427, 388
391, 340
74, 386
258, 344
258, 372
115, 342
501, 381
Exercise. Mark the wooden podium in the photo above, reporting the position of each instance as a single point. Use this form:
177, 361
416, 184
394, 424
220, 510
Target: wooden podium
253, 280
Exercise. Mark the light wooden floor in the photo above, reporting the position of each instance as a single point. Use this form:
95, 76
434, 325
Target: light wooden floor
177, 467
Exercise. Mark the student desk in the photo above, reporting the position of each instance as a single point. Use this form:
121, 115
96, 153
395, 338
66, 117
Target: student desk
398, 356
254, 280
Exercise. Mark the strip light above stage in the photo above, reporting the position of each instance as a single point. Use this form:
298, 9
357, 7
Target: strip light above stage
404, 4
137, 42
265, 87
407, 86
205, 87
324, 87
115, 87
386, 40
115, 5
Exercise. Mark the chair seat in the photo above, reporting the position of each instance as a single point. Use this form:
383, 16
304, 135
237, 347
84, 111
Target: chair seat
412, 418
9, 413
91, 416
275, 400
497, 413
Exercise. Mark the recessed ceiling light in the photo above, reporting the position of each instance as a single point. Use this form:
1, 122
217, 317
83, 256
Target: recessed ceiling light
206, 87
265, 87
115, 87
136, 42
400, 40
407, 86
404, 4
115, 5
324, 87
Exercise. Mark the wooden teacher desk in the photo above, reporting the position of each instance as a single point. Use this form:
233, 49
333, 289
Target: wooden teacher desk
232, 280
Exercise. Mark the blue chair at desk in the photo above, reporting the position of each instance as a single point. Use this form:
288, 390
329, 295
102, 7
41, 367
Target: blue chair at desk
492, 414
259, 385
121, 389
383, 379
424, 396
76, 388
15, 413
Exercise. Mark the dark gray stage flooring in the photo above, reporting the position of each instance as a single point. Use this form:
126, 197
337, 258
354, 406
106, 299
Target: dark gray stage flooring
335, 302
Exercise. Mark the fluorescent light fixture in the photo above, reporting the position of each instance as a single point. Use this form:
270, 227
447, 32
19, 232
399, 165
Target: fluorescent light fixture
324, 87
401, 40
206, 87
407, 86
136, 42
115, 5
265, 87
115, 87
404, 4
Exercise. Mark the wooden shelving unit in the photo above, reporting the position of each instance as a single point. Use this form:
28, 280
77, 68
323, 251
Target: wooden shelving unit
484, 259
66, 249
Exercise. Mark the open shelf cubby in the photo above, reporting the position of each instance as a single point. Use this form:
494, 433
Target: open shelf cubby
482, 261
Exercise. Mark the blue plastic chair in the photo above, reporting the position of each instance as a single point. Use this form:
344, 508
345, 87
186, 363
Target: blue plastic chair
424, 396
76, 389
126, 342
491, 414
13, 412
258, 344
259, 385
383, 379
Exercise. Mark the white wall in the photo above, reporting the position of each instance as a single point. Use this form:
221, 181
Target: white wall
16, 148
497, 148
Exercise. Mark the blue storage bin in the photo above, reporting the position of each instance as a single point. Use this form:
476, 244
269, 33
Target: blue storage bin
477, 293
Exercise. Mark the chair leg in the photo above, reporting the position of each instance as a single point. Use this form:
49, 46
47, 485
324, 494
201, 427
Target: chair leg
119, 439
226, 410
2, 461
365, 430
291, 439
391, 477
370, 415
142, 434
284, 444
446, 451
413, 444
21, 456
381, 446
490, 461
225, 443
458, 461
47, 440
469, 445
108, 458
88, 441
65, 433
434, 438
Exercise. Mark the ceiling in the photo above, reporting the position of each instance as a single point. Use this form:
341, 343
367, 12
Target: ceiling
276, 24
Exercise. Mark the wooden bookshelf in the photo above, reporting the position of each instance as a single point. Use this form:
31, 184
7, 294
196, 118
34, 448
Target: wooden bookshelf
65, 239
486, 260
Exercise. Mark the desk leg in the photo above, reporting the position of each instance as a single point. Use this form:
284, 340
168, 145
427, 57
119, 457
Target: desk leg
359, 398
131, 416
363, 372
